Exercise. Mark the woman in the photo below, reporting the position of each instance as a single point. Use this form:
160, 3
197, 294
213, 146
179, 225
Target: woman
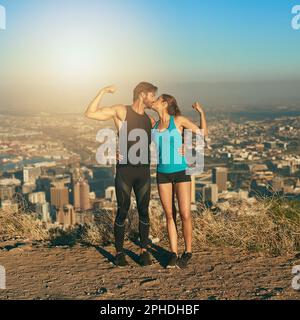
171, 171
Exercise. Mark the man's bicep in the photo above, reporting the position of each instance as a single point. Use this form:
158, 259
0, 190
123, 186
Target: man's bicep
103, 114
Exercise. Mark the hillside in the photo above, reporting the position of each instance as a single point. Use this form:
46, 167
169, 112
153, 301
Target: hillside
241, 251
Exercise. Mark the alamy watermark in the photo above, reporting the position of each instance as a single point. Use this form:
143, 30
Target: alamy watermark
2, 278
296, 279
296, 18
2, 17
134, 148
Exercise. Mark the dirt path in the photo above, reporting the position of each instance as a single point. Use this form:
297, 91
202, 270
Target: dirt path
39, 272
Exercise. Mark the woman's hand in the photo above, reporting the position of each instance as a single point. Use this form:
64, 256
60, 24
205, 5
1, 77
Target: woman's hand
197, 106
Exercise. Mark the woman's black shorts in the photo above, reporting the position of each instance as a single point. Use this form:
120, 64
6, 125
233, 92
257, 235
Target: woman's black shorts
176, 177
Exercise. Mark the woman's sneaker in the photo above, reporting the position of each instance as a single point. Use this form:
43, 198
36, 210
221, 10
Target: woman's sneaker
183, 261
172, 261
120, 260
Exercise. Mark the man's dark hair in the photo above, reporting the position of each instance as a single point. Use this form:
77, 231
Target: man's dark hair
145, 87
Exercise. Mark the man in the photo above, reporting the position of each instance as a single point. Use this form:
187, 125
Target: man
130, 175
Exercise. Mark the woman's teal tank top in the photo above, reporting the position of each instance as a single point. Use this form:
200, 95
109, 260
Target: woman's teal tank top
167, 144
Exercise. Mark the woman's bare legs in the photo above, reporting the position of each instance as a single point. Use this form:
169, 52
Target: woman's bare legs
183, 192
165, 193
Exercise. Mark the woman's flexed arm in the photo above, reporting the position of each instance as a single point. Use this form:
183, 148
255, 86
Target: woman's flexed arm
203, 125
188, 124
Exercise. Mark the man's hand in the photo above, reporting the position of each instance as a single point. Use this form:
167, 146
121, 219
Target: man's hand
119, 157
197, 106
181, 150
110, 89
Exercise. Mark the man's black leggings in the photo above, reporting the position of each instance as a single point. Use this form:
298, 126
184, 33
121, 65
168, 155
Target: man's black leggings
138, 179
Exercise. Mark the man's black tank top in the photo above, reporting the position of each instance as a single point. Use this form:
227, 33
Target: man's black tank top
135, 120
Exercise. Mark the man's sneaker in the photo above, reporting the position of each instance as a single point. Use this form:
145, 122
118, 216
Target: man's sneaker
120, 260
183, 261
145, 259
172, 261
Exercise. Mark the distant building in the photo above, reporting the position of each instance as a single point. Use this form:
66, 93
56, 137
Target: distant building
61, 181
44, 184
110, 194
57, 170
10, 182
277, 184
219, 177
28, 187
84, 217
226, 155
66, 216
76, 195
260, 147
288, 170
103, 177
258, 167
30, 174
7, 192
282, 145
8, 188
59, 197
243, 194
288, 189
210, 194
260, 188
8, 205
92, 196
37, 197
84, 196
81, 195
43, 211
270, 144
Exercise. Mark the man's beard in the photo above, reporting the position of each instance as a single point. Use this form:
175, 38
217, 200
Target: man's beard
148, 105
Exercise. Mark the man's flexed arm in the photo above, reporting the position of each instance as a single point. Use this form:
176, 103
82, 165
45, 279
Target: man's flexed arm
97, 112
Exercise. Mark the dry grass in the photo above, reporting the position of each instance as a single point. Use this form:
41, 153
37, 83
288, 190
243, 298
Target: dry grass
271, 226
100, 233
21, 226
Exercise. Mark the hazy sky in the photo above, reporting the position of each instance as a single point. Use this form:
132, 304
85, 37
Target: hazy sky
56, 54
